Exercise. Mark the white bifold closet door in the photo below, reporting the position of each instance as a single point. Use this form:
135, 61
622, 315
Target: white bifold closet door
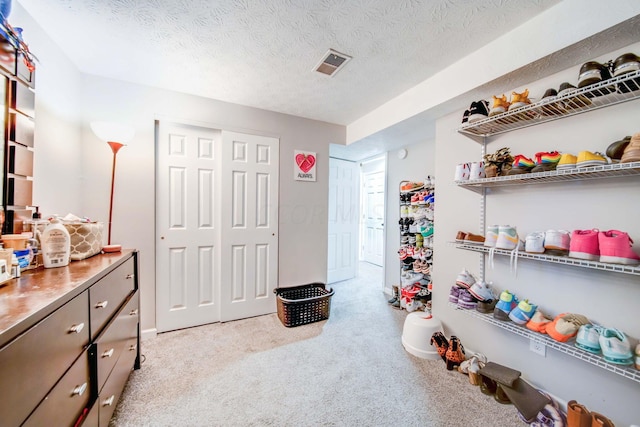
249, 227
216, 225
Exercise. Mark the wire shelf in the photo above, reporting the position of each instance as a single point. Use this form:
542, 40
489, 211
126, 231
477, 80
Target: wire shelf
570, 349
612, 170
609, 92
617, 268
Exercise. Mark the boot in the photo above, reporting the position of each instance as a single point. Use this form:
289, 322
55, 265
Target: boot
599, 420
439, 341
396, 294
455, 353
578, 415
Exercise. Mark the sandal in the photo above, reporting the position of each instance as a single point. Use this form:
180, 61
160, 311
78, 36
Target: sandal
478, 361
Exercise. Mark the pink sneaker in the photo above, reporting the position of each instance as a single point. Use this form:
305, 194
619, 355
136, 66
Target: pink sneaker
584, 245
615, 247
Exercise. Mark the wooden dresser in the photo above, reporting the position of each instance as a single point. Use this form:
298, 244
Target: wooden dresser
69, 338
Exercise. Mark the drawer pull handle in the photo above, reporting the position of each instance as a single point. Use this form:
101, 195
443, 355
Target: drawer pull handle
76, 328
130, 276
109, 401
108, 353
133, 312
79, 390
102, 304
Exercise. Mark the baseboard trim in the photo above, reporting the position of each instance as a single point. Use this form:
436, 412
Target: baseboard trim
148, 334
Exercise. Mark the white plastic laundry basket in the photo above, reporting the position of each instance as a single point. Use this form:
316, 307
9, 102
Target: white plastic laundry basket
416, 334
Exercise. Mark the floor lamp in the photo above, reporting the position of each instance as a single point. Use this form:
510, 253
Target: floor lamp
116, 135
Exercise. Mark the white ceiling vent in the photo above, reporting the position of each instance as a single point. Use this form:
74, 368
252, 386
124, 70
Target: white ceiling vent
331, 62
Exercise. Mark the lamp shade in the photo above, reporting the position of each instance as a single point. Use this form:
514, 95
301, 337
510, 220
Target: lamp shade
113, 132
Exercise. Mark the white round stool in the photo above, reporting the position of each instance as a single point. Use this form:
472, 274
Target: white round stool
416, 334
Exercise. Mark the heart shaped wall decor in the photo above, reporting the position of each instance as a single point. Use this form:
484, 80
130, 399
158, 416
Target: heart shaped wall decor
305, 163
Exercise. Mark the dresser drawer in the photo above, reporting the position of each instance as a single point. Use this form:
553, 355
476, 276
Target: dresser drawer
112, 390
106, 296
31, 364
21, 129
19, 191
93, 416
66, 401
23, 99
20, 160
111, 342
7, 56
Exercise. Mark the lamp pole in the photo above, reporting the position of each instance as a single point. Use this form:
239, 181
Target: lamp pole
115, 146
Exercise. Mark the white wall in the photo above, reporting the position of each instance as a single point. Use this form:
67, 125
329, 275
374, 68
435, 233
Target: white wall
58, 143
563, 25
303, 205
72, 167
607, 298
418, 164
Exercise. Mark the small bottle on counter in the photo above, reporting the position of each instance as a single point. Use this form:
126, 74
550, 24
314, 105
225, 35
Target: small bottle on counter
15, 267
55, 245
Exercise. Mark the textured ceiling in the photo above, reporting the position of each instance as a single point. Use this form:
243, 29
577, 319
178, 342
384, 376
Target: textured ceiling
261, 53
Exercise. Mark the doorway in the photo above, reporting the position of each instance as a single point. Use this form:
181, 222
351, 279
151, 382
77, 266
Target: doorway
372, 242
356, 232
344, 212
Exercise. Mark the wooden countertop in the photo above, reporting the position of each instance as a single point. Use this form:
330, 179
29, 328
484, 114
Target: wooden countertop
37, 293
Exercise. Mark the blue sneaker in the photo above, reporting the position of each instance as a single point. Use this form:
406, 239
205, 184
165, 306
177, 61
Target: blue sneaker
588, 338
615, 347
505, 304
523, 312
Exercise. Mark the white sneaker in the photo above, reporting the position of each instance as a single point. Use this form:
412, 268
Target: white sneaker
480, 290
476, 170
534, 242
557, 240
615, 347
465, 279
507, 238
491, 237
462, 172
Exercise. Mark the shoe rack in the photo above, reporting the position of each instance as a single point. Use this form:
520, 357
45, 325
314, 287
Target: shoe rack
622, 88
577, 174
406, 206
567, 348
619, 89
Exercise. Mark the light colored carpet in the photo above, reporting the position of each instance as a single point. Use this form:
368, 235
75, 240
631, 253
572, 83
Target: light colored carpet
350, 370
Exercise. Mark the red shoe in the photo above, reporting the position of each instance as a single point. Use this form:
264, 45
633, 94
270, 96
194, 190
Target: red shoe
615, 247
584, 245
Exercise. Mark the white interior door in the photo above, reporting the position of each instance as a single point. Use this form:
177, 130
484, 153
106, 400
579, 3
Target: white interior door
187, 226
343, 220
249, 252
373, 209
